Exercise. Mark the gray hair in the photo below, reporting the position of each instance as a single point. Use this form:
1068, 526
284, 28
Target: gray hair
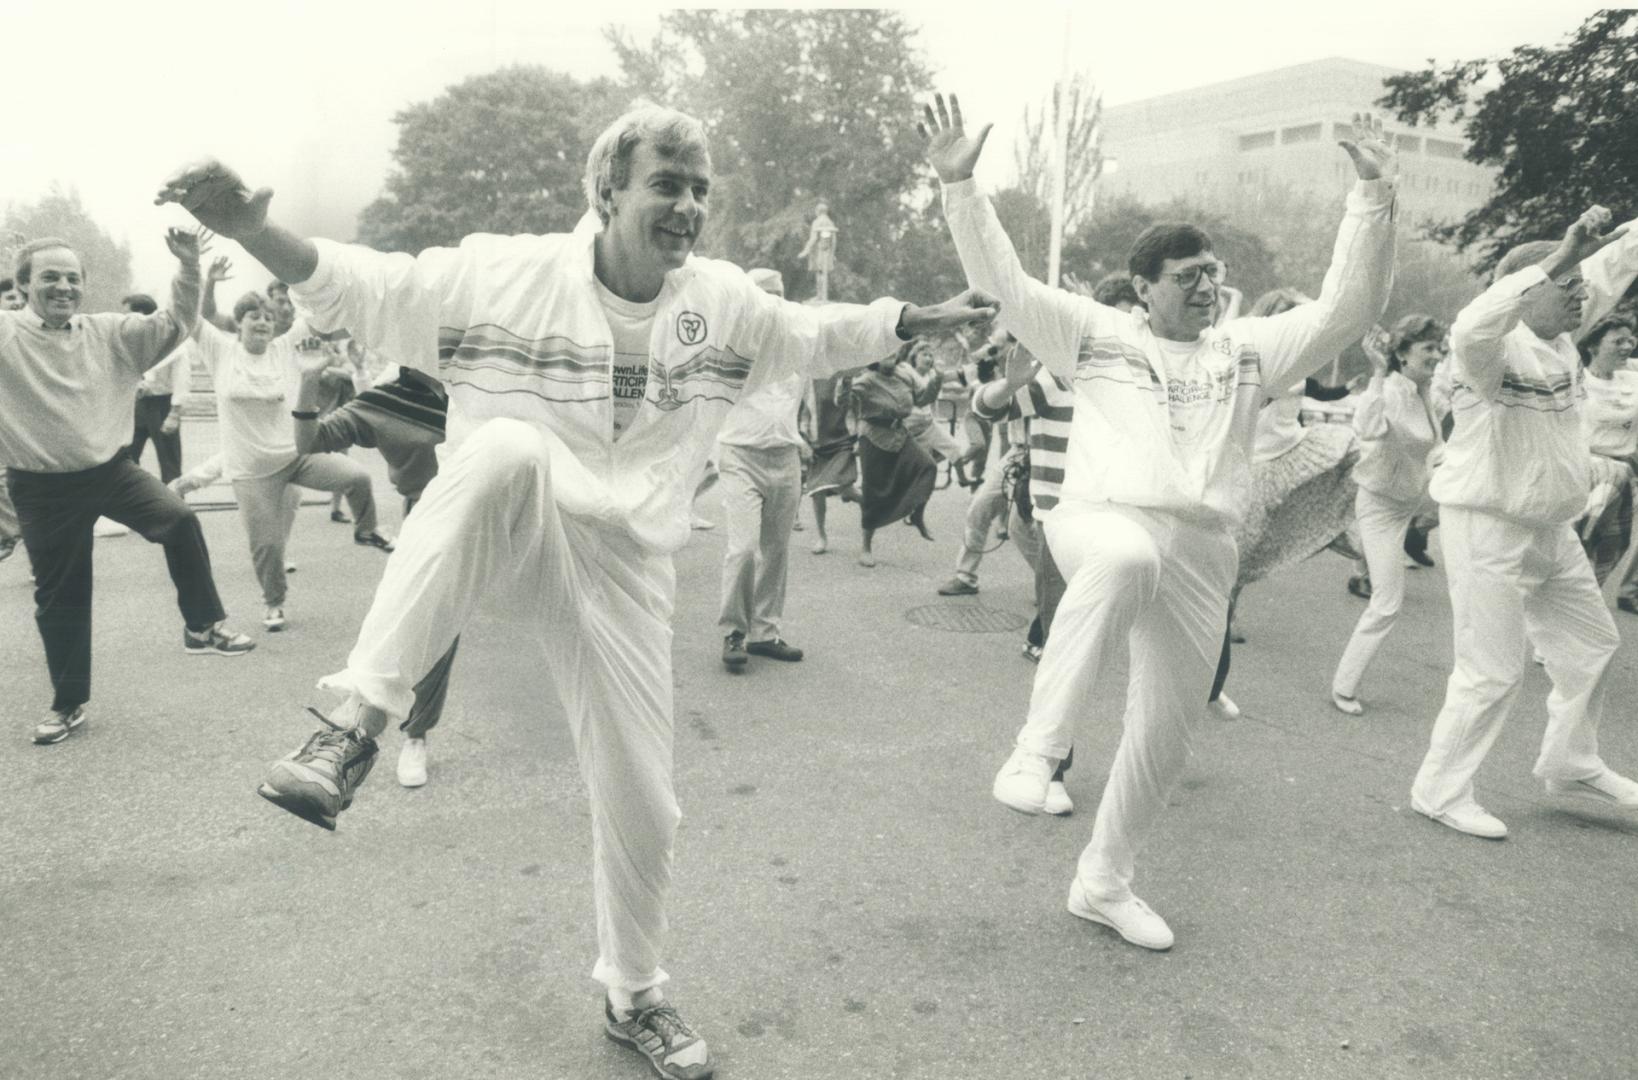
23, 270
1526, 254
608, 166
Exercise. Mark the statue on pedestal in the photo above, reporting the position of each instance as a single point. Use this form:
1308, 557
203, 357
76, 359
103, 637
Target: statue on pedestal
820, 250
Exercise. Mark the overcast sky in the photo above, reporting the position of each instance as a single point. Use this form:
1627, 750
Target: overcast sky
111, 96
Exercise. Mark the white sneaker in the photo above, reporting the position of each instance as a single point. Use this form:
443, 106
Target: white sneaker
1058, 802
1223, 707
107, 528
412, 763
1131, 918
1023, 781
1609, 788
1345, 704
273, 619
1470, 818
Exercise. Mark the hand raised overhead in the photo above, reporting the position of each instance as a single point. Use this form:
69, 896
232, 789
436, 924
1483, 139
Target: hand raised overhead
183, 244
1586, 234
214, 194
1374, 156
950, 151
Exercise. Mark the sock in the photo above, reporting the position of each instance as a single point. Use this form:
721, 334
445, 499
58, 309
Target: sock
625, 1003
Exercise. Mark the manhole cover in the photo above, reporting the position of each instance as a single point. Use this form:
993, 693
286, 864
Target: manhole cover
966, 619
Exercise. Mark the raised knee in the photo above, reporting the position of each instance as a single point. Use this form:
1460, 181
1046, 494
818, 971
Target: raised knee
503, 448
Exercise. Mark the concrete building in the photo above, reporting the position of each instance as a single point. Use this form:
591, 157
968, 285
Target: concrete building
1279, 128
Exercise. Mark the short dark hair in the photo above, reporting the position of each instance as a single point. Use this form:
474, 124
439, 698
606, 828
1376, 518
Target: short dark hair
140, 303
1115, 289
250, 301
6, 284
25, 256
1589, 344
1410, 330
1162, 241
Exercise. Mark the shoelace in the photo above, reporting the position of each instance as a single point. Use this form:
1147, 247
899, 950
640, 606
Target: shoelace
663, 1019
330, 745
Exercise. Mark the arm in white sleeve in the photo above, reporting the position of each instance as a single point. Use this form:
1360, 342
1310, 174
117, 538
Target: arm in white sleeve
393, 302
1608, 272
1050, 322
1296, 343
785, 336
181, 374
1371, 412
1478, 336
144, 340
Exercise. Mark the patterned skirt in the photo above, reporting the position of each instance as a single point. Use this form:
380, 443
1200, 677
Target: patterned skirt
1301, 503
832, 467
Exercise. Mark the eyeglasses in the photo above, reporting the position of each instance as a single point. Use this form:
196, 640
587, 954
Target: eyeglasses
1571, 284
1188, 278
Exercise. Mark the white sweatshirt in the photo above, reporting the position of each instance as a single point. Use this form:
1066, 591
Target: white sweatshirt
1519, 450
1169, 425
1396, 435
512, 326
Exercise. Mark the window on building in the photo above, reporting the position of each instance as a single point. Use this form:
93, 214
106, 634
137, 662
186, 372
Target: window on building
1444, 148
1304, 133
1258, 141
1411, 144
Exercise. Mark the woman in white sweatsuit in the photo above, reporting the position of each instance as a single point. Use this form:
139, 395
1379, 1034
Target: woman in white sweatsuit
1399, 436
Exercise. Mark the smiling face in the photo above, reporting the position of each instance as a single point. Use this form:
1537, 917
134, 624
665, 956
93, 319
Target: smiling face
55, 286
1614, 348
284, 312
256, 329
12, 299
655, 220
1419, 360
1181, 309
1551, 308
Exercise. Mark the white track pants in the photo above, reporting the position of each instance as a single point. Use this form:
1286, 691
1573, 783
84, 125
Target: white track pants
602, 606
1158, 585
1381, 522
761, 493
1508, 580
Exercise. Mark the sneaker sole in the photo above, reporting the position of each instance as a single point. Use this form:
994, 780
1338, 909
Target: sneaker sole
217, 652
1023, 808
1593, 799
1440, 819
614, 1035
52, 740
1093, 917
295, 804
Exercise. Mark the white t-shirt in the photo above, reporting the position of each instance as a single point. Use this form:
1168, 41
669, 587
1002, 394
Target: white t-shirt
631, 324
253, 395
1612, 413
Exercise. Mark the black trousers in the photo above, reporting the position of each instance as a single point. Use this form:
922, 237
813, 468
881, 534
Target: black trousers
147, 423
57, 513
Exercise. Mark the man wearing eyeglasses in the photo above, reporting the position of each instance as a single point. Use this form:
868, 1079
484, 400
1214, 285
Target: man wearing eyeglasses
1513, 479
1155, 474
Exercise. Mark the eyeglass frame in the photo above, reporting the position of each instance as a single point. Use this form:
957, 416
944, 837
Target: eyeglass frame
1216, 270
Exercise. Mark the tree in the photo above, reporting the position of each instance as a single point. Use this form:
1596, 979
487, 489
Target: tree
803, 106
1558, 123
59, 213
1033, 155
502, 152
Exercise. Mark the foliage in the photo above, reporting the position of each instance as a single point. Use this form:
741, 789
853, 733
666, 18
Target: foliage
1557, 122
501, 152
804, 106
1033, 155
59, 213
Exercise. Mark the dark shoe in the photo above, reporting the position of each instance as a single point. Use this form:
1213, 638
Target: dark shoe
734, 655
957, 587
373, 539
673, 1049
215, 641
1416, 546
1628, 604
340, 518
1360, 585
774, 649
317, 782
56, 726
1032, 652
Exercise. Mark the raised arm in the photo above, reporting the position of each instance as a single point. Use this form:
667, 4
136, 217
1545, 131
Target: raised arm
144, 340
1301, 341
220, 270
1608, 272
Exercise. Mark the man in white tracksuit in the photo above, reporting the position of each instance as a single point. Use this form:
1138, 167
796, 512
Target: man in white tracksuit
1165, 413
588, 374
760, 462
1514, 478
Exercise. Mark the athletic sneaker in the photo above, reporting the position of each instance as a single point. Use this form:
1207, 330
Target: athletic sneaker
957, 586
1032, 652
373, 539
734, 655
412, 763
317, 781
340, 518
215, 640
1608, 787
1058, 803
673, 1048
1468, 817
1223, 707
1131, 918
1023, 781
273, 619
775, 649
56, 726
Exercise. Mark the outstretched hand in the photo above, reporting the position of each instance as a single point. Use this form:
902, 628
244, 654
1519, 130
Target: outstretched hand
1586, 236
950, 151
971, 306
1374, 156
1375, 347
1021, 366
216, 196
183, 244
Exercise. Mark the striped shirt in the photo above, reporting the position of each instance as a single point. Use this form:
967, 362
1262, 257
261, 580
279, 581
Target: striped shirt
1048, 406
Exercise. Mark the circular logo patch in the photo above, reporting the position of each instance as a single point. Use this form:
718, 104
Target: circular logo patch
690, 328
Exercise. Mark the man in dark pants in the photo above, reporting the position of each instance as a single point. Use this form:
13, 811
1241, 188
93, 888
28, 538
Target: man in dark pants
66, 385
160, 394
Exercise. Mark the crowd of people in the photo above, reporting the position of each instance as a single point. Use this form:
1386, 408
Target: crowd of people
546, 406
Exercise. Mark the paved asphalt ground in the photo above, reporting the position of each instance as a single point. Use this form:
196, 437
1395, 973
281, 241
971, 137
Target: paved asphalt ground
849, 901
